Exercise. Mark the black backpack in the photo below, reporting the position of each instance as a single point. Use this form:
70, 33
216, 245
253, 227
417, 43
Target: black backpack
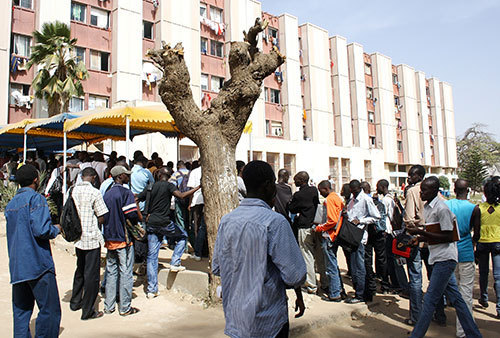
71, 226
380, 225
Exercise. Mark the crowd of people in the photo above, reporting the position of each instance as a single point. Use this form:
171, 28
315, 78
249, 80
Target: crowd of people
275, 239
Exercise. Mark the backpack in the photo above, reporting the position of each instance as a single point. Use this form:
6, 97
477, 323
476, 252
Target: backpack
183, 186
71, 226
57, 186
380, 224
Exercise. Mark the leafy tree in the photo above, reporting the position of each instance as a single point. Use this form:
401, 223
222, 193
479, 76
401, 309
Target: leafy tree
477, 139
444, 182
61, 73
217, 130
473, 169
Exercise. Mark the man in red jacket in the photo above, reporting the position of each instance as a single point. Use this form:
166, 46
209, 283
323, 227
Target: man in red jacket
334, 206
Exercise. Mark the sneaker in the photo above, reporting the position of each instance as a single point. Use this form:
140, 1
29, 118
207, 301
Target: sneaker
151, 295
309, 290
196, 258
177, 268
354, 300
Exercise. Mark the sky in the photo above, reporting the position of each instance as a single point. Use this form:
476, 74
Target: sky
456, 41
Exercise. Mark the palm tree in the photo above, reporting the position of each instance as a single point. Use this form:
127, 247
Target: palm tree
61, 72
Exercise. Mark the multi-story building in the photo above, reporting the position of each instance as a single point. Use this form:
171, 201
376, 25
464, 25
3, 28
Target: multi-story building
332, 109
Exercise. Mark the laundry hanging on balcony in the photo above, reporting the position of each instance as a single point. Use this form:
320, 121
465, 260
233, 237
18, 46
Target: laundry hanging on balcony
21, 100
150, 73
218, 27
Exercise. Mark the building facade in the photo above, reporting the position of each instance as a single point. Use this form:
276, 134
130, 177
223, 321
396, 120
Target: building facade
332, 109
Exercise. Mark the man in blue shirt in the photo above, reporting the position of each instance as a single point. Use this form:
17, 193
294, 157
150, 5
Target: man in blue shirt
140, 178
32, 271
468, 217
257, 257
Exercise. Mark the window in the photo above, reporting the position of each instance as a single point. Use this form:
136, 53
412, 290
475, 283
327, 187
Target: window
96, 102
99, 18
21, 45
275, 96
216, 83
23, 3
371, 117
18, 90
99, 60
215, 14
396, 101
78, 12
368, 69
395, 79
203, 10
289, 163
79, 54
373, 142
204, 81
147, 30
368, 171
400, 146
76, 104
346, 170
268, 127
273, 33
277, 129
216, 48
266, 94
204, 45
369, 93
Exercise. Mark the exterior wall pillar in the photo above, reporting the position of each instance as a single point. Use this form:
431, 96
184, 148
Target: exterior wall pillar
358, 95
5, 27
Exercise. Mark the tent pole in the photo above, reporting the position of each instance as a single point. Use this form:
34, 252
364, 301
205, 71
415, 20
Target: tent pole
250, 145
25, 146
127, 138
65, 150
178, 149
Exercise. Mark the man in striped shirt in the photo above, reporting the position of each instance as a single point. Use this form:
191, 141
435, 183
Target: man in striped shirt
121, 204
257, 258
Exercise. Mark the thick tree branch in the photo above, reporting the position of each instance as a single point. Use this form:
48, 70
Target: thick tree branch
251, 36
175, 89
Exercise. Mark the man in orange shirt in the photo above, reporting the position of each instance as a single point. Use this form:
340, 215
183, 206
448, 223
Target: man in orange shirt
330, 231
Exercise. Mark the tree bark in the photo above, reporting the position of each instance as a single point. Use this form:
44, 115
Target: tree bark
217, 130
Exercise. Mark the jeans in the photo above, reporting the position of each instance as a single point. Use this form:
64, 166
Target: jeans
443, 282
358, 273
332, 268
44, 291
376, 242
464, 274
484, 250
86, 281
414, 264
119, 263
154, 244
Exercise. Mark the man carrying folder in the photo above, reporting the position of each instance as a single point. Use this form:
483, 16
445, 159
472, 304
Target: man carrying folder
441, 233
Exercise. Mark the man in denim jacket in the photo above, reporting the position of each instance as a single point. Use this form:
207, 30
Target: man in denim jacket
32, 272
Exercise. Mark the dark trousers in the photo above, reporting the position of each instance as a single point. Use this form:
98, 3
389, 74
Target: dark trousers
86, 281
284, 331
396, 272
44, 291
200, 229
376, 242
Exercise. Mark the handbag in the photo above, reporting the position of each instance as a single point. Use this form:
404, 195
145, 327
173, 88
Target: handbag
320, 215
350, 236
401, 245
57, 185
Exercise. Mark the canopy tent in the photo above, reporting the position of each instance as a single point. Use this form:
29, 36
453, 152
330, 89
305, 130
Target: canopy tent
125, 122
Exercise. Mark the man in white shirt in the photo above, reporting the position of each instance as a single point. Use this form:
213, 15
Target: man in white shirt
197, 205
361, 211
443, 256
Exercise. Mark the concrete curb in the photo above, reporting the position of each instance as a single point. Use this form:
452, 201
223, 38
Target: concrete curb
191, 282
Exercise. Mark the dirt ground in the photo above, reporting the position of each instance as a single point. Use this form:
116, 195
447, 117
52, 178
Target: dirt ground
179, 315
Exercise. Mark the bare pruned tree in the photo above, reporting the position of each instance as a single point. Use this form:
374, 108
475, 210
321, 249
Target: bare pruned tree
217, 130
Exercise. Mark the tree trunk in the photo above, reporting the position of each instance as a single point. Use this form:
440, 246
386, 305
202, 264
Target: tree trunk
217, 130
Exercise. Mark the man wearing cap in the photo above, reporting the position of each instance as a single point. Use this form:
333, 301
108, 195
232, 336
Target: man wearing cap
121, 204
32, 271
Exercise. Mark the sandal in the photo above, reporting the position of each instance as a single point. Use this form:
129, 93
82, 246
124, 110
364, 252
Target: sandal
133, 310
